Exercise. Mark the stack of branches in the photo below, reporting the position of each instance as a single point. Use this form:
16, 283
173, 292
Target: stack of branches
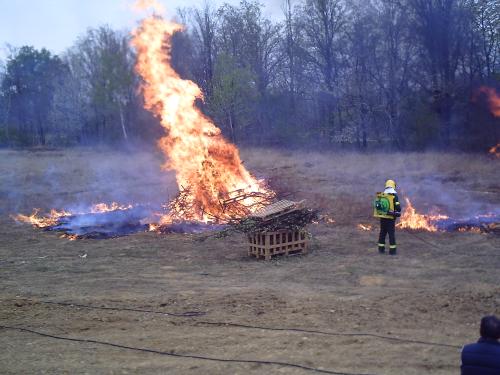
236, 207
231, 207
294, 218
182, 206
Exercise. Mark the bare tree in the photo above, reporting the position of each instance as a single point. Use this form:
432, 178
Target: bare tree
203, 29
102, 60
486, 15
323, 23
439, 26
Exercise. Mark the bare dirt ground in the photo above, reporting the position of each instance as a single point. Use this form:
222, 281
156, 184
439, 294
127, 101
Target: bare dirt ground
436, 289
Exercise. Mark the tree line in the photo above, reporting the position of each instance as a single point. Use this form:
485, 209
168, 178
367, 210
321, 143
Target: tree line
378, 74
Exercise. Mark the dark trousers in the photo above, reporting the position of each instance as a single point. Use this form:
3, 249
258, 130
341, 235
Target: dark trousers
387, 226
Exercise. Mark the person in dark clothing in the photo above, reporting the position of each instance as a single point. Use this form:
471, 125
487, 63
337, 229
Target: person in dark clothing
388, 225
483, 357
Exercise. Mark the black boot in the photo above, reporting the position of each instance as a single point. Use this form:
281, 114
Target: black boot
381, 248
392, 251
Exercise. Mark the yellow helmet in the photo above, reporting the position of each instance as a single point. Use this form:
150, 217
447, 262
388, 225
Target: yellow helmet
390, 183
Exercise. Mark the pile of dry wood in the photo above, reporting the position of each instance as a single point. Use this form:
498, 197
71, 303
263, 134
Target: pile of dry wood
280, 215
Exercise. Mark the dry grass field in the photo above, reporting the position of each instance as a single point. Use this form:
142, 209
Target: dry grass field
435, 290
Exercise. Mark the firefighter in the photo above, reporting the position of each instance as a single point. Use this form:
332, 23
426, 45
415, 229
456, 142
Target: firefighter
388, 226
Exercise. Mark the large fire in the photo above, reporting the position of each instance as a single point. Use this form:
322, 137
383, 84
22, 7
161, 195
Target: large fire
214, 185
411, 219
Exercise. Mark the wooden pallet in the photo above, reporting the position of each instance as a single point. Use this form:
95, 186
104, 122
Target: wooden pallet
277, 209
268, 244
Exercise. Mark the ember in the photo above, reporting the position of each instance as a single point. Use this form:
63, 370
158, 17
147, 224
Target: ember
70, 237
365, 227
327, 219
478, 224
495, 150
472, 230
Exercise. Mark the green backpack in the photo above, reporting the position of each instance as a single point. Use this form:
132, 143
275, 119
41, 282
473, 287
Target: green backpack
382, 205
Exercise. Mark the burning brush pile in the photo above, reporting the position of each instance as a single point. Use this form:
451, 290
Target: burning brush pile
215, 188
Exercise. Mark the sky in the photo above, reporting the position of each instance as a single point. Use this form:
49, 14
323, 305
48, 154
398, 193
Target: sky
56, 24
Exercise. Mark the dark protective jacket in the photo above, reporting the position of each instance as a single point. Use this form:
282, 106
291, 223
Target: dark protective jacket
397, 206
481, 358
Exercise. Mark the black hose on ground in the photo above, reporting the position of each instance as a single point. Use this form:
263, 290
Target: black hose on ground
186, 314
194, 314
347, 334
178, 355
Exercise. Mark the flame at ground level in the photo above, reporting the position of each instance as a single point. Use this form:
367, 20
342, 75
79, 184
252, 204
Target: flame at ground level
41, 221
107, 221
112, 220
54, 216
411, 219
97, 221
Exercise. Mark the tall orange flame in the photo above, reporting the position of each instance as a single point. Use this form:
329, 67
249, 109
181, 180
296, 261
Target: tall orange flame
208, 168
410, 219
